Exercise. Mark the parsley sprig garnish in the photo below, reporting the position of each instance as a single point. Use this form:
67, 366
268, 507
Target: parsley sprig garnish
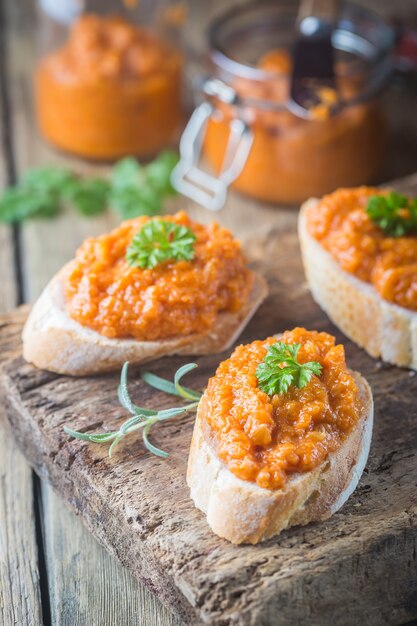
159, 241
143, 419
131, 189
394, 213
280, 369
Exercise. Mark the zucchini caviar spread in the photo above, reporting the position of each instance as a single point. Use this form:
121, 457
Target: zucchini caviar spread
384, 256
113, 89
265, 437
165, 297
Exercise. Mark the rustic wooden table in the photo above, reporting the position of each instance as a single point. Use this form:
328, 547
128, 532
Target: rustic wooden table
51, 570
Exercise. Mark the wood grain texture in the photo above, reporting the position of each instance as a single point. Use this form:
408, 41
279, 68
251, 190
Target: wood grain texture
77, 577
358, 567
7, 279
19, 577
47, 246
102, 590
20, 601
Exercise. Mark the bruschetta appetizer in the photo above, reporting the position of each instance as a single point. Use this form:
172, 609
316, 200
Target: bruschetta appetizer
151, 287
281, 438
359, 249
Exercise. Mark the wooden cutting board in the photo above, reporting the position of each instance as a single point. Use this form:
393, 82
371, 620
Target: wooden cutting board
359, 567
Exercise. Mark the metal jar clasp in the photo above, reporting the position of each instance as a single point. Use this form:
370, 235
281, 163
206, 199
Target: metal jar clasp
190, 180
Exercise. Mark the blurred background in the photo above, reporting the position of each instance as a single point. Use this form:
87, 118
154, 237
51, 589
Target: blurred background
99, 81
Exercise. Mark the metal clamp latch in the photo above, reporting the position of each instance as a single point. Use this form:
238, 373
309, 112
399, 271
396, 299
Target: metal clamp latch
193, 182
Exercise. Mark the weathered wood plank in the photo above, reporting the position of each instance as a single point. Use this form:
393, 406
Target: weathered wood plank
48, 245
19, 577
101, 589
358, 567
20, 601
7, 281
77, 577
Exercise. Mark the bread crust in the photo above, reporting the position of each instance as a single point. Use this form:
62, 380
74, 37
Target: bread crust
55, 342
242, 512
382, 328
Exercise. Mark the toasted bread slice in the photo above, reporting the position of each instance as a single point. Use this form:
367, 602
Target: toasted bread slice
243, 512
382, 328
55, 342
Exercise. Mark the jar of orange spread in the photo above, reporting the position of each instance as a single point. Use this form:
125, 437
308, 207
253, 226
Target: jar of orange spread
112, 89
342, 226
291, 158
264, 438
173, 299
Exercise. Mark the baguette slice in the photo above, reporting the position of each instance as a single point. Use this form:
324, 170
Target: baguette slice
382, 328
55, 342
243, 512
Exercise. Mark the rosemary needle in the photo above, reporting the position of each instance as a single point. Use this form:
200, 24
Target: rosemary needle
141, 418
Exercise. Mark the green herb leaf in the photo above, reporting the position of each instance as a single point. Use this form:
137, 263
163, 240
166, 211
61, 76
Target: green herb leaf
140, 190
168, 387
49, 179
124, 397
127, 173
159, 241
88, 196
143, 419
133, 190
151, 447
166, 414
96, 438
17, 205
280, 369
132, 201
38, 194
158, 173
188, 394
394, 213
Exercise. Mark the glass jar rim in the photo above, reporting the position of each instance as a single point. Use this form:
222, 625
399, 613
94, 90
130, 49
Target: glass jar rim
221, 59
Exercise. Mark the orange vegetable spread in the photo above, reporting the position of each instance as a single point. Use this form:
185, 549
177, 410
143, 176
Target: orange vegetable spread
291, 158
342, 226
264, 439
175, 298
113, 89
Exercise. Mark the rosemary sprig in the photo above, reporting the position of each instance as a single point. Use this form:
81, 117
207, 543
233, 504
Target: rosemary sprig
143, 419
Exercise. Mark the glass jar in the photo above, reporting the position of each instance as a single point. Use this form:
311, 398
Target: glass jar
247, 128
109, 79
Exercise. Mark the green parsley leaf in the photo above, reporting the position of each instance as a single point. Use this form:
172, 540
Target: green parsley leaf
132, 201
48, 179
158, 173
37, 195
140, 190
18, 204
127, 173
89, 196
395, 214
280, 369
131, 195
133, 190
159, 241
